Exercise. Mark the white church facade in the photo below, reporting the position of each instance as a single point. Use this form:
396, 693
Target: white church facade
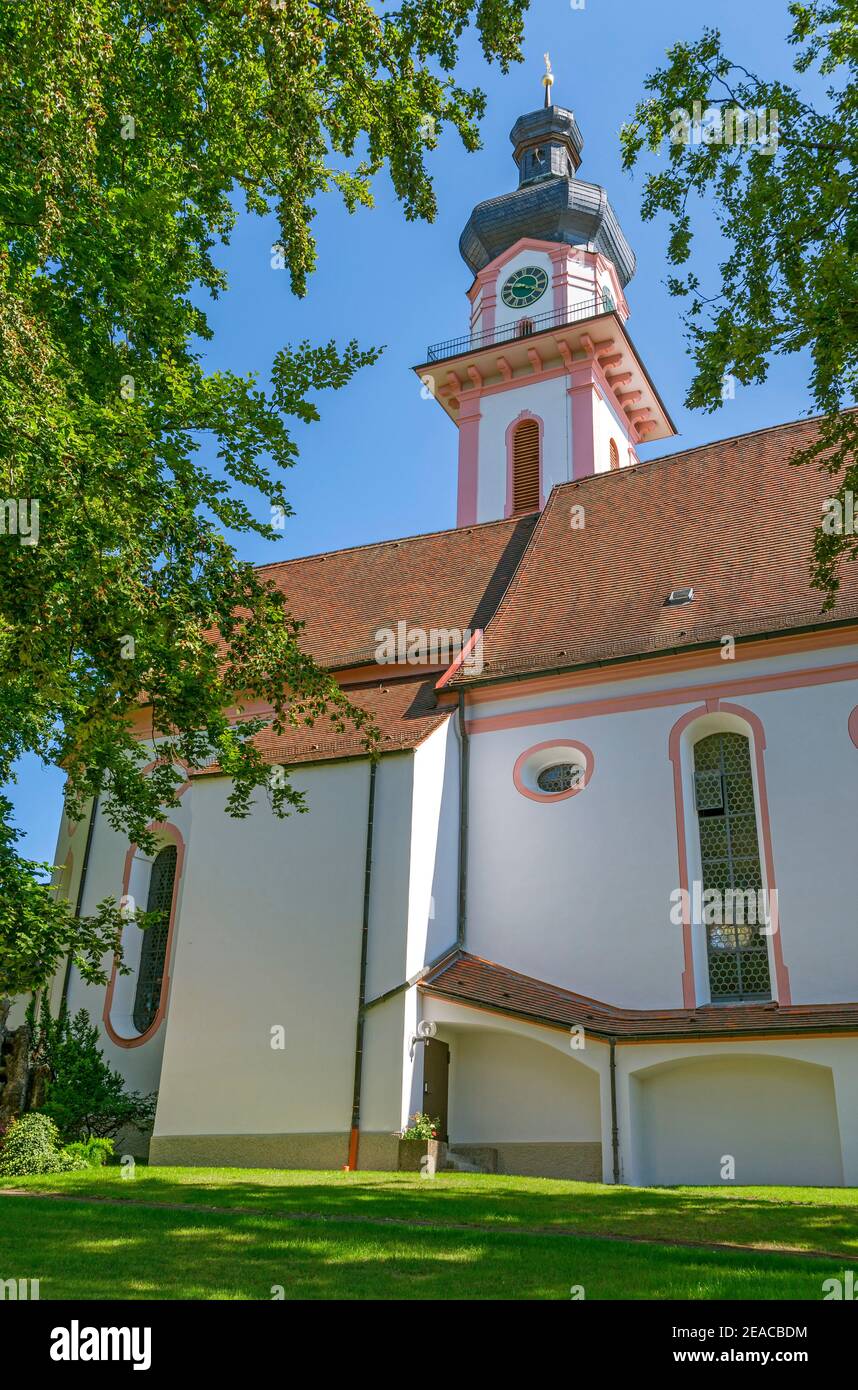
593, 907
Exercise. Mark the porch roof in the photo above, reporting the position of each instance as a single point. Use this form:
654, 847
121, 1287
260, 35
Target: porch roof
469, 979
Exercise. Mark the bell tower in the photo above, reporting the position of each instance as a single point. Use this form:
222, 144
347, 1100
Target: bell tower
546, 385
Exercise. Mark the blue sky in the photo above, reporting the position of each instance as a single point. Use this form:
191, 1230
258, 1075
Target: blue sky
382, 460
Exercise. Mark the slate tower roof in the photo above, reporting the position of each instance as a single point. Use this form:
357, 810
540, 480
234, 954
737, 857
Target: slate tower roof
551, 203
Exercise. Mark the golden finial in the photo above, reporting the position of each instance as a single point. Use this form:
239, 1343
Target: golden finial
548, 79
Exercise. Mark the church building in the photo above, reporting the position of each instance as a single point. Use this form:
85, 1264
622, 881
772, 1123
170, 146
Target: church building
593, 907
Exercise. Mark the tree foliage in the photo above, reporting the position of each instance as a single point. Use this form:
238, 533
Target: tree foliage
84, 1095
787, 208
133, 134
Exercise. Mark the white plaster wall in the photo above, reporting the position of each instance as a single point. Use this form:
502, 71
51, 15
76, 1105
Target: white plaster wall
578, 891
270, 935
382, 1075
391, 868
812, 779
547, 399
775, 1117
433, 891
512, 1089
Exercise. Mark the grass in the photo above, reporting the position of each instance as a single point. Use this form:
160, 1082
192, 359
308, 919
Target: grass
237, 1233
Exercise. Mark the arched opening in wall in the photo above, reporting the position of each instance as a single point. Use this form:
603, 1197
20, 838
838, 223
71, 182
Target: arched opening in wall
153, 954
733, 899
615, 454
525, 467
524, 328
691, 1115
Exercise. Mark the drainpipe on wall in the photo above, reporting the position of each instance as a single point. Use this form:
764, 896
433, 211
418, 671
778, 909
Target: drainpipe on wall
354, 1135
80, 891
464, 772
615, 1132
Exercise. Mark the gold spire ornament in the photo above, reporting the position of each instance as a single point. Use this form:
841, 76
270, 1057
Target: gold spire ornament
548, 79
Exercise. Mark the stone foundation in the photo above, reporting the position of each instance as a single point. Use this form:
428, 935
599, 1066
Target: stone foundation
581, 1162
313, 1151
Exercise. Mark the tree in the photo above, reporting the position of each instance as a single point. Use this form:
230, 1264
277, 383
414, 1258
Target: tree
133, 130
83, 1094
783, 191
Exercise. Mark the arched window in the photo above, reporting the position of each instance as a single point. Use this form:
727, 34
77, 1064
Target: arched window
153, 953
615, 454
607, 300
525, 467
524, 328
730, 860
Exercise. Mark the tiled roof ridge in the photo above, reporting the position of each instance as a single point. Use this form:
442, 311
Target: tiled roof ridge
590, 480
508, 521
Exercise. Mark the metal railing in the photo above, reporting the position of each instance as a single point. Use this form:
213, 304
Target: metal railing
521, 328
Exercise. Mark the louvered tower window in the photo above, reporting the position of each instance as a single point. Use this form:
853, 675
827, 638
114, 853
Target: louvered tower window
525, 467
730, 854
153, 955
615, 454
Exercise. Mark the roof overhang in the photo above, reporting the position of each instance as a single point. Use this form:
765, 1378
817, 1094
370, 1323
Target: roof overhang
600, 340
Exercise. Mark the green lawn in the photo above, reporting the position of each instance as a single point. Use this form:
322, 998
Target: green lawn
347, 1235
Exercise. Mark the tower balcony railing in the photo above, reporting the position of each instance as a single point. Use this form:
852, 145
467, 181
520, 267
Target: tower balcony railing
521, 328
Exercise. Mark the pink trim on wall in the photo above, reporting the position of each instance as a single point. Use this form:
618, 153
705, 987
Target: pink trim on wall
469, 451
582, 394
559, 261
750, 685
508, 440
853, 726
170, 832
758, 742
488, 307
689, 993
178, 762
562, 746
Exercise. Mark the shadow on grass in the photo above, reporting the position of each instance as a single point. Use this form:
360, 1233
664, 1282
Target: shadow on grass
80, 1251
812, 1219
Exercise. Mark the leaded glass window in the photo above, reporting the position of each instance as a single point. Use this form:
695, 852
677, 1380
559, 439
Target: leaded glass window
730, 855
560, 777
153, 954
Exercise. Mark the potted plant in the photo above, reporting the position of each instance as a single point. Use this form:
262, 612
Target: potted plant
420, 1149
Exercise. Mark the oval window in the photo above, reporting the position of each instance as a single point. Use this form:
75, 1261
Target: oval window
560, 777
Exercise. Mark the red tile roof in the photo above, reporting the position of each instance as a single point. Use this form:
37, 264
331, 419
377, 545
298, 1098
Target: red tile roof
468, 979
732, 519
403, 709
442, 580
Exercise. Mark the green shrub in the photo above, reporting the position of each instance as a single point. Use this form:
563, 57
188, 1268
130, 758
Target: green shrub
94, 1152
83, 1093
32, 1146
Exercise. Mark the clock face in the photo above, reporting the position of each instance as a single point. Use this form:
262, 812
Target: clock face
524, 287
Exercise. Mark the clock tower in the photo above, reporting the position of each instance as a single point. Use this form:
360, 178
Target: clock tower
546, 385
